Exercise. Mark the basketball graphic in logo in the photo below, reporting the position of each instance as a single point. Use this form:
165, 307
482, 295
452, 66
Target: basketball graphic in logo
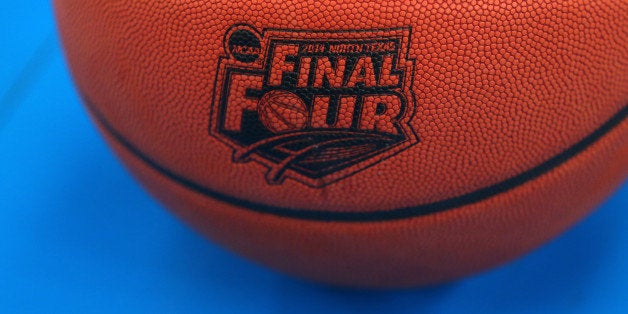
282, 111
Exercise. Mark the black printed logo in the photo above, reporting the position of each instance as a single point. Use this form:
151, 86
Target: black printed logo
314, 106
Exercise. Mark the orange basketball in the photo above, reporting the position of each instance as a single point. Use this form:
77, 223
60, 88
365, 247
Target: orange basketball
362, 143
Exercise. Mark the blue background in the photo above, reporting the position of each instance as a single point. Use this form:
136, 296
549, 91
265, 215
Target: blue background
77, 233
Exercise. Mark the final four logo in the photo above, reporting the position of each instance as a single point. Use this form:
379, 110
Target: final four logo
314, 106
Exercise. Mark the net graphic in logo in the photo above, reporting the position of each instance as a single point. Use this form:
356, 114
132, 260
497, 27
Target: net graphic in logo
314, 106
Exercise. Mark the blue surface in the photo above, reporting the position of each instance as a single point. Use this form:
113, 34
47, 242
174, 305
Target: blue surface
77, 233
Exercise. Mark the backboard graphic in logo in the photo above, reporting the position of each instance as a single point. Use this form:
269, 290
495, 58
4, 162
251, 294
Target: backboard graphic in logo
314, 106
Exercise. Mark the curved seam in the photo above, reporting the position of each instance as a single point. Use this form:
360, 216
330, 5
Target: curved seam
393, 214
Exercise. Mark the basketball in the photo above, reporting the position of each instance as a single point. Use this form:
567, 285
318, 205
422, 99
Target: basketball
282, 112
360, 143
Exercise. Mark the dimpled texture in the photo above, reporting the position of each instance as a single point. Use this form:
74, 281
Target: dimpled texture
500, 87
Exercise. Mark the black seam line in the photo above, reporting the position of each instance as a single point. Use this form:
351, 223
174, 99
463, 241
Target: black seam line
377, 216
